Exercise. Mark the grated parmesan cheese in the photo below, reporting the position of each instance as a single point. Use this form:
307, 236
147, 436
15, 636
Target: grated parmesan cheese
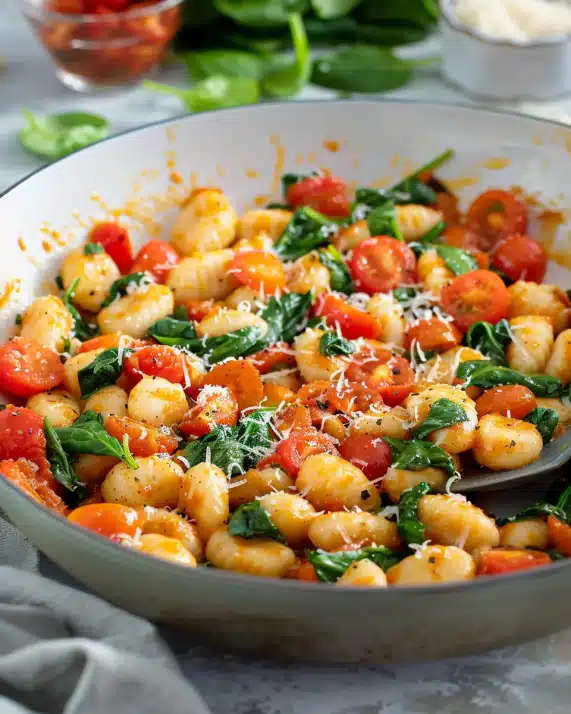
516, 20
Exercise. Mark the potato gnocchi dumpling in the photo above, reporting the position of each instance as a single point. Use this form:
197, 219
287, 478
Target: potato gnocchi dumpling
298, 392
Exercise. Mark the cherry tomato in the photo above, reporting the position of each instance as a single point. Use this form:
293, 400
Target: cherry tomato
214, 406
275, 394
511, 400
12, 471
505, 560
520, 258
242, 378
117, 243
23, 436
326, 194
294, 416
113, 339
368, 453
279, 355
198, 309
353, 323
156, 257
108, 519
559, 535
28, 368
369, 356
433, 334
156, 361
299, 445
23, 475
495, 215
306, 572
144, 439
258, 270
393, 381
382, 264
475, 296
461, 237
447, 204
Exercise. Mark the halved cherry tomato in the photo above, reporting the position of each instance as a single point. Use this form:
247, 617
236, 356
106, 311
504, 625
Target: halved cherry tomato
393, 381
520, 258
108, 519
495, 215
278, 355
369, 356
23, 475
22, 436
28, 368
294, 416
306, 572
505, 560
511, 400
144, 439
258, 270
475, 296
156, 257
299, 445
314, 396
242, 378
353, 323
324, 398
433, 334
215, 406
198, 309
156, 361
368, 453
326, 194
276, 394
559, 535
116, 241
113, 339
381, 264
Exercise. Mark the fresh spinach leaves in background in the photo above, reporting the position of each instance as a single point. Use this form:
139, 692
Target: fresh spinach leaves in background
251, 520
490, 340
442, 413
53, 137
332, 344
229, 63
545, 421
410, 527
81, 329
60, 466
290, 78
104, 371
416, 455
329, 567
485, 374
215, 92
340, 277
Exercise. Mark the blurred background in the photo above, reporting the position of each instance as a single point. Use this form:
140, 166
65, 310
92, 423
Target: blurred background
74, 71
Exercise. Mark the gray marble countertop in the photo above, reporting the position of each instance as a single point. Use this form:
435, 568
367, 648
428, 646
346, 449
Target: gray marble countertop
535, 677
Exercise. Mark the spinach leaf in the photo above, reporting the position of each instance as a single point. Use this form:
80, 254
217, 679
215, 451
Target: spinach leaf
434, 233
413, 190
286, 316
490, 340
442, 413
229, 63
234, 344
435, 163
181, 313
459, 261
170, 331
365, 68
215, 92
405, 295
307, 230
280, 206
59, 463
341, 280
104, 371
288, 80
410, 527
327, 9
252, 520
485, 374
254, 435
260, 14
289, 180
416, 455
80, 328
545, 420
93, 249
121, 286
382, 221
561, 510
329, 567
52, 137
332, 344
87, 435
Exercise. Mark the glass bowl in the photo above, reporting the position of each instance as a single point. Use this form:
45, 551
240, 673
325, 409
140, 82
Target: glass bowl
95, 52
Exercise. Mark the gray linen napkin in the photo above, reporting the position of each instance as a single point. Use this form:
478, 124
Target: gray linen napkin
63, 651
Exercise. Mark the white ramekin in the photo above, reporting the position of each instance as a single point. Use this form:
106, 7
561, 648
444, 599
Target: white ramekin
499, 69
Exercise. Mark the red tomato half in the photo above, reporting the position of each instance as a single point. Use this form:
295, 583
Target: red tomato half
368, 453
433, 334
300, 445
495, 215
117, 243
108, 519
155, 361
475, 296
353, 323
559, 535
214, 406
28, 368
326, 194
521, 258
156, 257
258, 270
144, 439
394, 381
382, 264
512, 399
25, 476
504, 560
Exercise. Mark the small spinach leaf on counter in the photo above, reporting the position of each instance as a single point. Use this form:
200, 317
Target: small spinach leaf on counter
215, 92
93, 249
341, 280
53, 137
490, 340
59, 464
288, 79
545, 421
81, 329
442, 413
307, 230
332, 344
485, 374
458, 260
251, 520
328, 9
121, 286
260, 14
230, 63
104, 371
87, 435
416, 455
410, 527
329, 567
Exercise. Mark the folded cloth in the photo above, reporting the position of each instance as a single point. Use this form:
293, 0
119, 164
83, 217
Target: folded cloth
63, 651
